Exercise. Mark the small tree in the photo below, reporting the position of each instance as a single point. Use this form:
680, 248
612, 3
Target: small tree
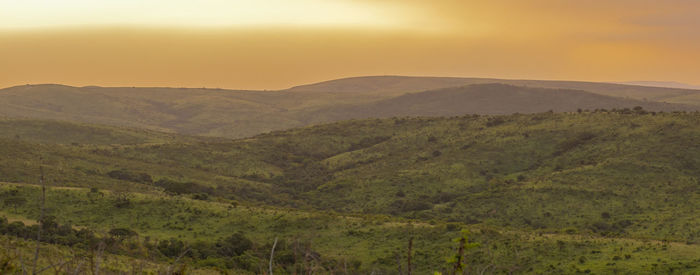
234, 245
121, 233
122, 199
15, 202
201, 196
458, 259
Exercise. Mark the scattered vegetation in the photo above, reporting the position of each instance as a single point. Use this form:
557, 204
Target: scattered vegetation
597, 191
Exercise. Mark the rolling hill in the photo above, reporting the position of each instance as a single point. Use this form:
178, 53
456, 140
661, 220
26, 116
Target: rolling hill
600, 191
665, 84
235, 113
493, 99
397, 85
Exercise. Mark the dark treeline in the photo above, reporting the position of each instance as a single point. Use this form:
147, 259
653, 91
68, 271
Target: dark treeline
234, 252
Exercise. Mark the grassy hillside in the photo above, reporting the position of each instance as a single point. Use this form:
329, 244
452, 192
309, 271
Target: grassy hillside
52, 132
571, 191
356, 244
233, 113
17, 257
567, 169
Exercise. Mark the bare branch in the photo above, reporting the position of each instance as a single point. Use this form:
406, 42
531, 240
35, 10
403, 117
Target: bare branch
41, 218
170, 267
272, 254
53, 265
77, 269
410, 251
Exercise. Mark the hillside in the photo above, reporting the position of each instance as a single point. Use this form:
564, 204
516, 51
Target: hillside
208, 112
61, 132
234, 113
436, 168
552, 187
397, 85
488, 99
662, 84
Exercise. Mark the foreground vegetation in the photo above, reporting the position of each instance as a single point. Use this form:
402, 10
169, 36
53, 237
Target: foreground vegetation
595, 192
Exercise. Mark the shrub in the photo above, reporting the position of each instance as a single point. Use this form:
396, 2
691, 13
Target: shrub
201, 196
234, 245
129, 176
122, 233
122, 199
495, 121
180, 188
411, 205
452, 227
574, 142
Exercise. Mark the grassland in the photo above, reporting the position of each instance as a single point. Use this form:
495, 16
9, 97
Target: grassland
598, 192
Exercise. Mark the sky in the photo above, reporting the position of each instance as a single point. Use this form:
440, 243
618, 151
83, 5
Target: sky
276, 44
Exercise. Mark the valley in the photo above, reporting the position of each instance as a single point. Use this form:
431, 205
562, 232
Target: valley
545, 192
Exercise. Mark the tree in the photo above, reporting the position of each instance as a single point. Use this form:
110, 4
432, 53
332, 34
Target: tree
234, 245
201, 196
121, 233
15, 202
458, 259
122, 199
48, 223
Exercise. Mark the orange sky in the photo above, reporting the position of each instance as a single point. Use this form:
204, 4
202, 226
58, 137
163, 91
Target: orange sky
272, 44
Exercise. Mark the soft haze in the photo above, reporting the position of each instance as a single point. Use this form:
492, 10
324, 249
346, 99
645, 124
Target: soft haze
275, 44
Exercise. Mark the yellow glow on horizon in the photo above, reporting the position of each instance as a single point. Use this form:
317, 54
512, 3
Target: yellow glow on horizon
271, 44
27, 14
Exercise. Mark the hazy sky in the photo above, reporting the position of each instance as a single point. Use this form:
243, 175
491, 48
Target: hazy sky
271, 44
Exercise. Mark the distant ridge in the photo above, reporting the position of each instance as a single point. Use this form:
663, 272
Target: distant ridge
239, 113
663, 84
491, 99
393, 85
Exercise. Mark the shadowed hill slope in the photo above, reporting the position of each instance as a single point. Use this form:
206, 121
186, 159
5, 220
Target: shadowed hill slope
666, 84
488, 99
396, 85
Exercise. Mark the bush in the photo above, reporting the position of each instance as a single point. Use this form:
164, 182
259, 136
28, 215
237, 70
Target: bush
129, 176
574, 142
410, 205
234, 245
201, 196
171, 248
179, 188
122, 199
122, 233
495, 121
453, 227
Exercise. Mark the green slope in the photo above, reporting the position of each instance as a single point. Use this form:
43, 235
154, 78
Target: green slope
49, 131
604, 184
537, 171
356, 243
